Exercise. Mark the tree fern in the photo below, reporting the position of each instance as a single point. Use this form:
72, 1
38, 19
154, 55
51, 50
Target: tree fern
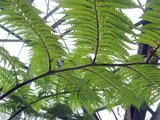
98, 71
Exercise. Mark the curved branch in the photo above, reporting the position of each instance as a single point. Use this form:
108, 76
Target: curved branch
97, 32
48, 54
70, 69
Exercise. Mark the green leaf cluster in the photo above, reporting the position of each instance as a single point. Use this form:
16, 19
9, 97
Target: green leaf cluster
98, 72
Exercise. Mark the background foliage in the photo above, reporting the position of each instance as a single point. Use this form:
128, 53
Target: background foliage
98, 72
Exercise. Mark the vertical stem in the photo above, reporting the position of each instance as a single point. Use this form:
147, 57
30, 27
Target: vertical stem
97, 31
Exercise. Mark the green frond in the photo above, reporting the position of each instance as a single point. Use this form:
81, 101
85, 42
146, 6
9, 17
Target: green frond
154, 4
80, 85
60, 110
24, 20
98, 22
90, 75
142, 79
8, 79
107, 82
150, 32
12, 70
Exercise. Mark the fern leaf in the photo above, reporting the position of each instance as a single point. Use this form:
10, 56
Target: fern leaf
150, 32
95, 24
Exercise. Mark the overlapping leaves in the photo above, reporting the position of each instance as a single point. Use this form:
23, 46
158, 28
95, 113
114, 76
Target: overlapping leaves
24, 19
100, 32
99, 28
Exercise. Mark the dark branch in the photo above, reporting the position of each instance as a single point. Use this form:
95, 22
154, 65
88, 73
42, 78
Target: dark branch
149, 58
70, 69
97, 32
22, 84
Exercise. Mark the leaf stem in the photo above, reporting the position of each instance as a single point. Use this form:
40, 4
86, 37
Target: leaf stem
97, 32
70, 69
36, 32
144, 77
